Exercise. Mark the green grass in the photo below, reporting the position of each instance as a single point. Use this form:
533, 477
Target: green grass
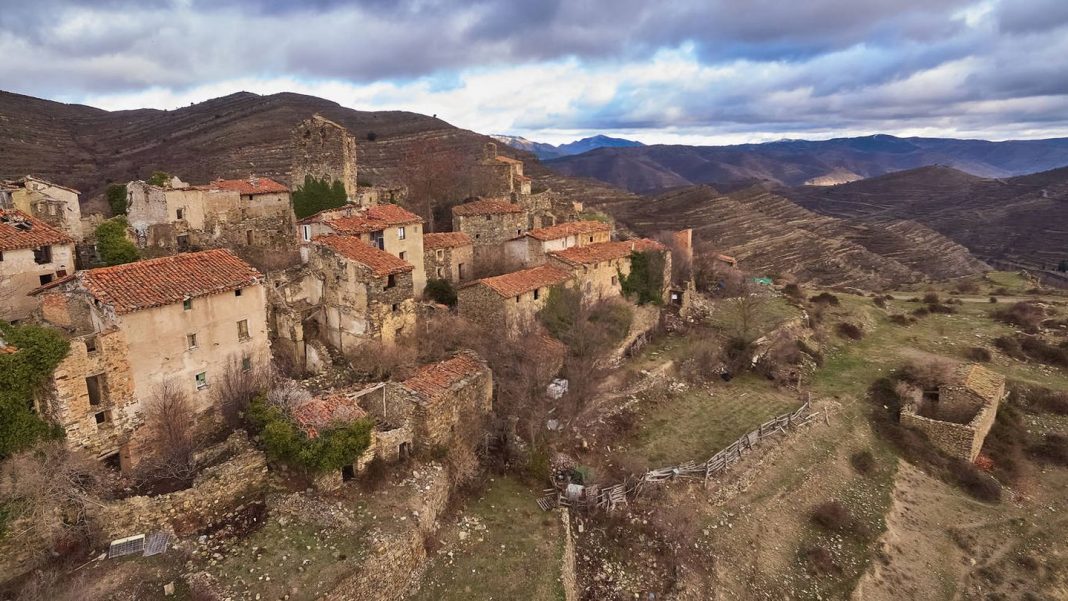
518, 557
694, 425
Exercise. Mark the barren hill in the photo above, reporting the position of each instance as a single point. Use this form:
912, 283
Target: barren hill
1021, 220
86, 148
770, 234
795, 162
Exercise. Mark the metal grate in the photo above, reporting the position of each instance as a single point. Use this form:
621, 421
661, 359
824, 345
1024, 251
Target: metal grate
126, 546
156, 543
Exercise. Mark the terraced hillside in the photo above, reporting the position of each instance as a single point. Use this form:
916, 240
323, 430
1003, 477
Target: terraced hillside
1022, 221
86, 148
770, 234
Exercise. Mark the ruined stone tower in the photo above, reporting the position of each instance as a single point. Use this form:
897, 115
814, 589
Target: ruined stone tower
322, 148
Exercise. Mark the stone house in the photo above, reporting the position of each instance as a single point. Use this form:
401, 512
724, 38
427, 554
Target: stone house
532, 248
253, 217
32, 254
490, 223
51, 203
506, 173
512, 300
597, 267
448, 256
185, 319
324, 150
367, 293
386, 227
957, 417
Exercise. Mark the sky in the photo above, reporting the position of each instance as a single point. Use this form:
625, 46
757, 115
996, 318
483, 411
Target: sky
667, 71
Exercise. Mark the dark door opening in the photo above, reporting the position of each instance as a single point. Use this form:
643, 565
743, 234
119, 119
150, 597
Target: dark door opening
348, 473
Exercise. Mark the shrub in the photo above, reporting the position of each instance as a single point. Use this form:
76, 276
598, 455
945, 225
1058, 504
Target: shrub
1040, 350
1053, 449
980, 354
1010, 346
940, 308
879, 302
993, 300
901, 320
863, 462
793, 291
116, 195
21, 373
441, 291
974, 482
927, 374
849, 330
1025, 315
820, 561
968, 287
283, 441
931, 298
159, 178
825, 298
371, 136
645, 283
112, 246
921, 312
833, 516
1043, 399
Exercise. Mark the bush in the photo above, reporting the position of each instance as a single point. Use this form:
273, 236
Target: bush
833, 516
921, 312
901, 320
1053, 449
820, 562
371, 136
1038, 398
863, 462
825, 298
283, 441
849, 330
931, 298
793, 291
940, 308
993, 300
441, 291
1025, 315
116, 195
112, 246
974, 482
645, 283
159, 178
1010, 346
980, 354
1040, 350
879, 302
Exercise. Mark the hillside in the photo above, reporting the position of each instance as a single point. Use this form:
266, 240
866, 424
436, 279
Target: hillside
1021, 220
796, 162
770, 234
87, 148
549, 151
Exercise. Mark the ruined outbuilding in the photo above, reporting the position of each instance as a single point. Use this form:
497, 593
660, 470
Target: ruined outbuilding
958, 415
51, 203
323, 149
448, 256
597, 268
32, 254
510, 301
490, 223
184, 319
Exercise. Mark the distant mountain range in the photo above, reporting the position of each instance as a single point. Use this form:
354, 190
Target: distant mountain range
649, 169
548, 151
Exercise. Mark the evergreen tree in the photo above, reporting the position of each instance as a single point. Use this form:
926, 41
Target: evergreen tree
116, 195
112, 245
318, 195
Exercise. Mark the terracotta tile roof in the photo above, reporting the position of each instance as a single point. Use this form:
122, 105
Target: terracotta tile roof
19, 230
380, 262
255, 185
570, 228
518, 282
432, 382
509, 160
987, 384
489, 206
157, 282
372, 220
605, 251
323, 412
446, 240
7, 349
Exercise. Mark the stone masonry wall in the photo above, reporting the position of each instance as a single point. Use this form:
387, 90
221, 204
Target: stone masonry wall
215, 492
322, 148
489, 230
963, 441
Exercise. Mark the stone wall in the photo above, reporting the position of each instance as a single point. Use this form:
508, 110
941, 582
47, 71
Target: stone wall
568, 574
490, 230
20, 274
452, 264
217, 490
963, 441
322, 148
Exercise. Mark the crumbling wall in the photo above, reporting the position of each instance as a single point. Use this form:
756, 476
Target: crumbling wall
322, 148
963, 441
568, 574
215, 491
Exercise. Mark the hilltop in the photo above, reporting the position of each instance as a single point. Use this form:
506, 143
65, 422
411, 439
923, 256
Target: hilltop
549, 151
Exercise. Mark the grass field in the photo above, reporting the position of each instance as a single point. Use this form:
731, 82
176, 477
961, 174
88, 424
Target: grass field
516, 556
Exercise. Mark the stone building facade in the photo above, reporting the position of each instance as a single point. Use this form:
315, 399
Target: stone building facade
51, 203
533, 247
448, 256
32, 254
490, 223
510, 301
185, 319
505, 174
254, 217
386, 227
367, 293
957, 417
598, 267
324, 149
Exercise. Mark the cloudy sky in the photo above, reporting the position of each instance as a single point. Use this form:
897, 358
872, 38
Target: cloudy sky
686, 71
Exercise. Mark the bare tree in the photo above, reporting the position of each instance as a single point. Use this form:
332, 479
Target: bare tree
287, 394
429, 169
170, 421
237, 386
746, 313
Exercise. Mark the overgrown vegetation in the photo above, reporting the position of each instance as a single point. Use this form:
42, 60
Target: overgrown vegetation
441, 291
645, 283
825, 298
116, 196
112, 246
318, 195
283, 441
21, 374
159, 178
1025, 315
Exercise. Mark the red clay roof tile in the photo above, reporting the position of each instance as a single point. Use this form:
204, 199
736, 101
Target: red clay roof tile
380, 262
445, 240
518, 282
323, 412
490, 206
157, 282
19, 230
432, 382
570, 228
255, 185
605, 251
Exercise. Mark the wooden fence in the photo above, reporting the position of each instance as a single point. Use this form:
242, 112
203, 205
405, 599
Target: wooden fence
615, 495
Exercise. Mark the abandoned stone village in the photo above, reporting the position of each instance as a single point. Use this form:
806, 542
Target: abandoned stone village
235, 362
